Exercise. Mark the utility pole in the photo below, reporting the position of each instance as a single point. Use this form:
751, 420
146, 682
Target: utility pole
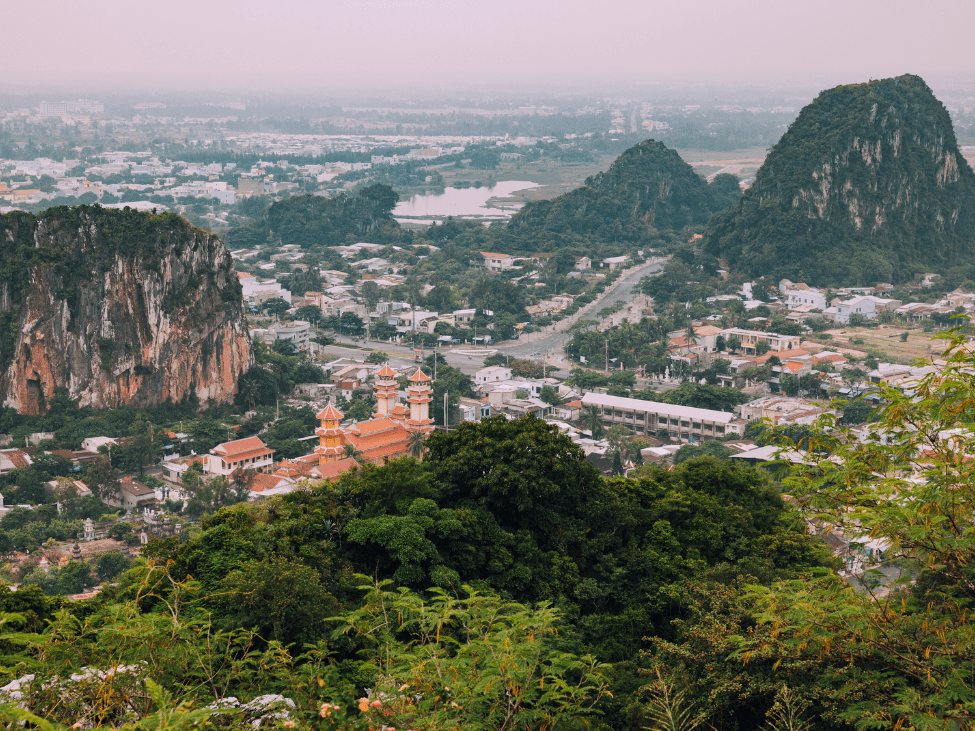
607, 355
445, 415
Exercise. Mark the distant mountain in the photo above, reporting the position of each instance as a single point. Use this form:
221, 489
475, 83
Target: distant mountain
648, 189
867, 185
311, 221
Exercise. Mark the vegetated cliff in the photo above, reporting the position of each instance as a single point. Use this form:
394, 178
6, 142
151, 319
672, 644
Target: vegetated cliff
866, 186
647, 189
119, 307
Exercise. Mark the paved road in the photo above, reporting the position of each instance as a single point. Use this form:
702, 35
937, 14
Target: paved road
533, 346
536, 344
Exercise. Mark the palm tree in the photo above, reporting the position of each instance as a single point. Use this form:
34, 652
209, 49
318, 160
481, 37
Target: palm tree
590, 418
414, 446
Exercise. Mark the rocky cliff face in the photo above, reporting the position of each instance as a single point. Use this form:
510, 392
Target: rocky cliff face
867, 185
119, 307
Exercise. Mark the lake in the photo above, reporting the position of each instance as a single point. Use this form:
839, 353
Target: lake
464, 203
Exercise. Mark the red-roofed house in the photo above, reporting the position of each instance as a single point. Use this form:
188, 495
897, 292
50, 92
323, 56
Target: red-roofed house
249, 454
263, 485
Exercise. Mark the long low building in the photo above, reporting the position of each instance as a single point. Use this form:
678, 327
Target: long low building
649, 417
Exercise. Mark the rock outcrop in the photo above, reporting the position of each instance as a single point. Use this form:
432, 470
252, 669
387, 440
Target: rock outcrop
867, 185
119, 307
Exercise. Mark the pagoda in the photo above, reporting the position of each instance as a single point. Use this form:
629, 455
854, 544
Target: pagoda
330, 436
419, 394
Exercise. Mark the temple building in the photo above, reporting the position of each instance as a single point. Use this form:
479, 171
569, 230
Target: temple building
387, 435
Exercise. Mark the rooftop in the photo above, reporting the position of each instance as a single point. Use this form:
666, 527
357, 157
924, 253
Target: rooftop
656, 407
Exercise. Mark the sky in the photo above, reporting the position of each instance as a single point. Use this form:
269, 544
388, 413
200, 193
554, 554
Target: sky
317, 45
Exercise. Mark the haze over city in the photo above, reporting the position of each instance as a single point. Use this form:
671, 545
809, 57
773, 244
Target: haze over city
107, 45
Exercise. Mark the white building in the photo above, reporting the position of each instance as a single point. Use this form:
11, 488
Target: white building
750, 339
867, 306
492, 374
648, 417
250, 454
497, 262
802, 294
296, 332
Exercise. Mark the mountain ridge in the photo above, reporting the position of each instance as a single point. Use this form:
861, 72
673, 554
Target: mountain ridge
867, 185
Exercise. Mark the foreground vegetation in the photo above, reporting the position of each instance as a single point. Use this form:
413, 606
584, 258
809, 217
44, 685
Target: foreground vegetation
502, 583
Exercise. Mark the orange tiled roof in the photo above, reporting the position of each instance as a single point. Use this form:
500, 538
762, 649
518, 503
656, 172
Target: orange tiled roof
17, 457
792, 366
373, 426
330, 413
239, 446
419, 377
247, 455
333, 470
387, 372
261, 482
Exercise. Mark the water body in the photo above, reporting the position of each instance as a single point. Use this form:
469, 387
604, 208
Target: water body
463, 203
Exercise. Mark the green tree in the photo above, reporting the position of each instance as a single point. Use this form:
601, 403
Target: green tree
102, 479
309, 313
908, 643
517, 681
275, 306
206, 433
281, 598
592, 420
111, 564
550, 396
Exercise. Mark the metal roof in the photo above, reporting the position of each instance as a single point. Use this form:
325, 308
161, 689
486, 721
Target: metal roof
656, 407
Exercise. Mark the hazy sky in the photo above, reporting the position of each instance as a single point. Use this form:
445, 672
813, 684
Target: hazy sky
322, 44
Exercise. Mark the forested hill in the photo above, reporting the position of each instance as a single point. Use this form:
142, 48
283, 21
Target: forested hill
648, 189
866, 186
309, 220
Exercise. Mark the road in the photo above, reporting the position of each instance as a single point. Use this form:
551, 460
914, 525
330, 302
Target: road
533, 346
536, 344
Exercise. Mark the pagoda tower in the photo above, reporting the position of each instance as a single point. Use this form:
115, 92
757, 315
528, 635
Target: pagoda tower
330, 436
418, 396
386, 392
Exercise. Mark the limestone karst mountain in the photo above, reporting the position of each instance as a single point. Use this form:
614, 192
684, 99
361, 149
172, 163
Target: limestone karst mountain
867, 186
119, 307
647, 189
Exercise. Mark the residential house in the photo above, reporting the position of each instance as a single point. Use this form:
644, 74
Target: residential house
616, 262
866, 306
780, 410
583, 263
751, 338
492, 374
249, 454
294, 331
13, 459
802, 294
472, 409
497, 262
131, 495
